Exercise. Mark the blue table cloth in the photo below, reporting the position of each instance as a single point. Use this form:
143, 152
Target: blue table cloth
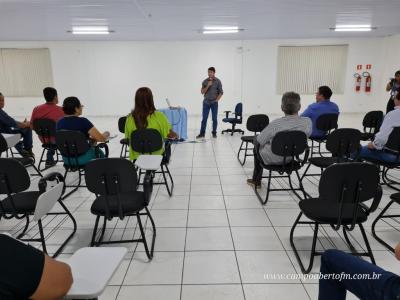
178, 119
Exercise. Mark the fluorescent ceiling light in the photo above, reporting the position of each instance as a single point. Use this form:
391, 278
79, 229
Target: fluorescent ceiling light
353, 26
220, 28
90, 30
352, 29
220, 31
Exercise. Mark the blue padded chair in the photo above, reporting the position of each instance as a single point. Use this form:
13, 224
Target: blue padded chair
236, 120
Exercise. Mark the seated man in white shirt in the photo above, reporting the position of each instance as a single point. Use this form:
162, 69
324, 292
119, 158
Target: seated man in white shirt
375, 149
291, 121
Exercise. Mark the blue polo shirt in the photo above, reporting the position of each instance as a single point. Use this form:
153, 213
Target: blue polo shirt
313, 111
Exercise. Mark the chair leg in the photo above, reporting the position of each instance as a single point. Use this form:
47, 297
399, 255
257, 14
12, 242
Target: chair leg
25, 228
103, 230
301, 186
36, 169
245, 153
42, 239
146, 248
370, 254
240, 150
346, 237
170, 178
165, 180
41, 160
387, 181
305, 171
73, 231
314, 243
122, 151
381, 216
96, 225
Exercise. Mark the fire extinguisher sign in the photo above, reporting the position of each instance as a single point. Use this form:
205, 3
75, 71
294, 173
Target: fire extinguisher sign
359, 67
368, 67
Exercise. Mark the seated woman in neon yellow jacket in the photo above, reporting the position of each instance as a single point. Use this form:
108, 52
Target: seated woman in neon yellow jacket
145, 115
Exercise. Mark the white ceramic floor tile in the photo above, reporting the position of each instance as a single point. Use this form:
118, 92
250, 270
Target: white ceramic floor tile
248, 217
255, 238
210, 267
150, 292
212, 292
206, 202
164, 268
256, 266
217, 238
275, 291
207, 218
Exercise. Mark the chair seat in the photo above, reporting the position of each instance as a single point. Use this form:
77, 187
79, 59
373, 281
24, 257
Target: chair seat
232, 120
247, 138
365, 136
124, 141
290, 167
131, 203
25, 202
327, 213
396, 197
25, 161
323, 162
319, 139
49, 146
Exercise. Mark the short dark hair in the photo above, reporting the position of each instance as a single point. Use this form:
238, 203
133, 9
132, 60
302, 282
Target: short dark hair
49, 93
397, 73
290, 103
325, 91
1, 94
70, 105
211, 69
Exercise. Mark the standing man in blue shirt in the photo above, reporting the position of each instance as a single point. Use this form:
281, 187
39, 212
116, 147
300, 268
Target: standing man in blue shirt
211, 88
323, 106
10, 125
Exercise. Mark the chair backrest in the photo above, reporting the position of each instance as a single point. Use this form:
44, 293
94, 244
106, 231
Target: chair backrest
327, 122
343, 142
109, 177
71, 143
352, 182
47, 200
372, 120
239, 110
3, 144
45, 128
146, 141
14, 177
393, 142
289, 144
121, 124
256, 123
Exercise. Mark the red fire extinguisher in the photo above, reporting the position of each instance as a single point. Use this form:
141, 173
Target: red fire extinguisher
368, 80
357, 76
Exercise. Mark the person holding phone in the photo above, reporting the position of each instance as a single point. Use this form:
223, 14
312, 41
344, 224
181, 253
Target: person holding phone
392, 87
211, 88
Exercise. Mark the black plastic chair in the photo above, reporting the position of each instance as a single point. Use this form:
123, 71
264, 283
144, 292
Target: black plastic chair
343, 144
25, 161
114, 182
372, 122
46, 130
392, 146
124, 141
21, 203
255, 124
147, 141
290, 145
343, 189
71, 145
326, 123
237, 119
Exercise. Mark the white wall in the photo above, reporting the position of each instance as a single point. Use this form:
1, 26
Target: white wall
105, 75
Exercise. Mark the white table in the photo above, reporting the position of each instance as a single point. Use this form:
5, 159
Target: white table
92, 269
148, 162
11, 139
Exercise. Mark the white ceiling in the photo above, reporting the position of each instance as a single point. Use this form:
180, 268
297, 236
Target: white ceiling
182, 19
